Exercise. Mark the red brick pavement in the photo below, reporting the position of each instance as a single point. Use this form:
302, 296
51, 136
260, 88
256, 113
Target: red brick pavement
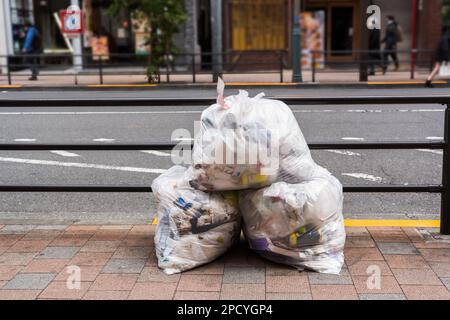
118, 262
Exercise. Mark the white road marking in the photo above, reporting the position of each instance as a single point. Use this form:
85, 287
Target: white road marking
103, 140
156, 153
25, 140
80, 165
352, 139
364, 176
346, 153
431, 151
64, 153
435, 138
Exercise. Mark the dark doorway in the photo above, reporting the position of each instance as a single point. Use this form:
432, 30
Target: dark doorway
204, 32
342, 30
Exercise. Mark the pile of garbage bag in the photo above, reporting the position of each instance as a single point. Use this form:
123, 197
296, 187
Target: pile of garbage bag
194, 227
291, 207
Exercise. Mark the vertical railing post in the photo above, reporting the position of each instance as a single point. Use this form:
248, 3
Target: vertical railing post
193, 68
9, 70
313, 64
445, 199
100, 69
281, 66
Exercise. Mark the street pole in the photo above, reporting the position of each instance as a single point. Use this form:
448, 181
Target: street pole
216, 24
296, 43
6, 43
76, 44
364, 42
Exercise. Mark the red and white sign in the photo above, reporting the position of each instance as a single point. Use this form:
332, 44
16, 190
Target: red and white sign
72, 20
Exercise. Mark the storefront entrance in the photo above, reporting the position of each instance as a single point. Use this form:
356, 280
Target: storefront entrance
341, 27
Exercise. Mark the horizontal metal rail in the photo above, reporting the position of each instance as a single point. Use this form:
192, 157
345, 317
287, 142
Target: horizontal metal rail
143, 188
301, 100
388, 145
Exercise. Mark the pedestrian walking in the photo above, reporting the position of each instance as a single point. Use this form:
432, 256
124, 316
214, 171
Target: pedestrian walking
442, 56
392, 37
32, 46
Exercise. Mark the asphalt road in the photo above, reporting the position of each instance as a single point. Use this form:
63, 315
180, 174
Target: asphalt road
156, 124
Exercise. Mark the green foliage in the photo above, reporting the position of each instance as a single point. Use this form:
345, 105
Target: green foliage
446, 12
162, 19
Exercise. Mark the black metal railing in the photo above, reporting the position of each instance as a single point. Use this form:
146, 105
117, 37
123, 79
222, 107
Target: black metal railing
443, 188
194, 64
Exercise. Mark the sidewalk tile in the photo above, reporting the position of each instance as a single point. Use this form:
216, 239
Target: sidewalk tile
1, 226
116, 227
152, 291
45, 266
8, 240
132, 253
82, 228
138, 241
381, 296
283, 284
216, 267
388, 235
322, 278
29, 246
91, 258
416, 277
144, 228
124, 266
42, 235
333, 292
58, 253
232, 291
413, 234
357, 232
446, 282
359, 242
3, 249
432, 245
365, 284
441, 269
109, 235
288, 296
30, 281
106, 295
353, 255
152, 260
70, 240
194, 282
2, 283
115, 282
16, 229
413, 292
196, 295
88, 273
364, 268
436, 255
16, 258
59, 290
396, 248
100, 246
154, 274
273, 269
399, 261
9, 272
59, 227
242, 257
19, 294
244, 275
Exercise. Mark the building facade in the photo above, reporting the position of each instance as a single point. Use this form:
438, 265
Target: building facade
251, 32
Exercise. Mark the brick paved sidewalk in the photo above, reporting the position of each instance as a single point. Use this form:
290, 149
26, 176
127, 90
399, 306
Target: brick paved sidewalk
118, 262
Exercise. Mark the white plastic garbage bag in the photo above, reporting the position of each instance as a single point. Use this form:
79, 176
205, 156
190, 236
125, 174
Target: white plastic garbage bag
248, 142
297, 224
193, 227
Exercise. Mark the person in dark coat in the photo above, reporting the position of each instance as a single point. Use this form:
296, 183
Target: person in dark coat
32, 47
442, 55
390, 40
